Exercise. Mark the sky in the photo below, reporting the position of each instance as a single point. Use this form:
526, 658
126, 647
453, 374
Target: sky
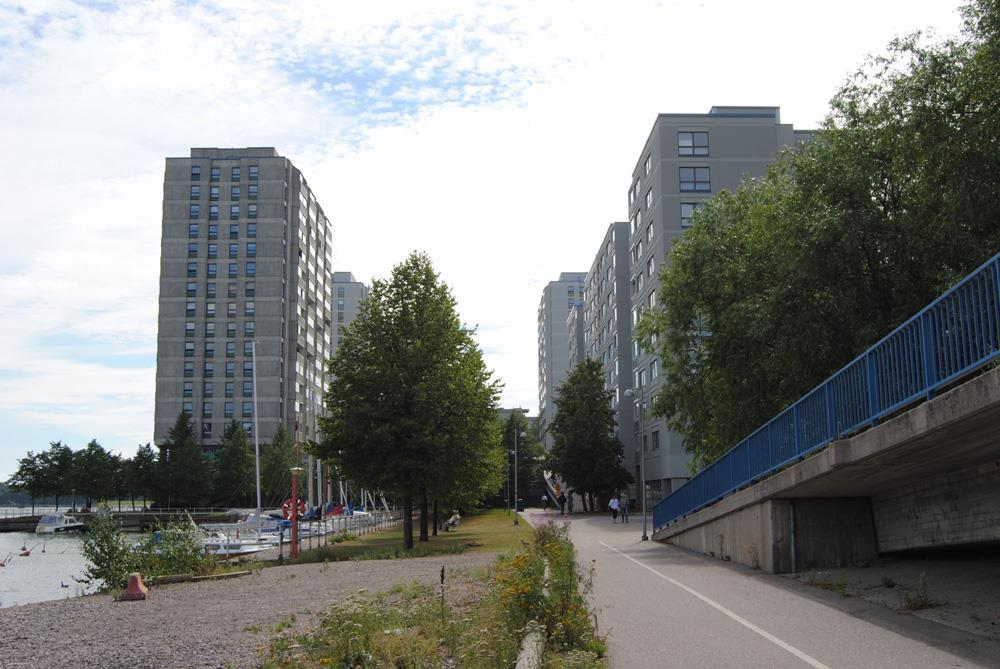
497, 137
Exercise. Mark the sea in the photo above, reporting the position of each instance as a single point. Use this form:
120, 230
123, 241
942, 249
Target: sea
50, 571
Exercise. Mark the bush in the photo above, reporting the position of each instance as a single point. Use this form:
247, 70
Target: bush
108, 552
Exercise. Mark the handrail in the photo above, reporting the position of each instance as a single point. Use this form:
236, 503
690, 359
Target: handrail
951, 337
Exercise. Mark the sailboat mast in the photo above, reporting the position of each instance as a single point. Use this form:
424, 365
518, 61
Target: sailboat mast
256, 437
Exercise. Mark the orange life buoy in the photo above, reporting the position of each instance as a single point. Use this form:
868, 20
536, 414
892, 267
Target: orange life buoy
286, 508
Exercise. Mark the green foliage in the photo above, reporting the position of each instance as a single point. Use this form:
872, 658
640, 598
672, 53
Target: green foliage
28, 476
184, 472
586, 454
411, 410
108, 552
235, 478
782, 282
530, 452
142, 472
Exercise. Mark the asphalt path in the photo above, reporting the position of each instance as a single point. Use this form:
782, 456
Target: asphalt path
662, 606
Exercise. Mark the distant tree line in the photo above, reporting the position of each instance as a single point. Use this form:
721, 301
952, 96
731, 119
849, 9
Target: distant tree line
779, 284
177, 474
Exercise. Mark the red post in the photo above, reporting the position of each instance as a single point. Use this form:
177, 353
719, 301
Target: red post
295, 512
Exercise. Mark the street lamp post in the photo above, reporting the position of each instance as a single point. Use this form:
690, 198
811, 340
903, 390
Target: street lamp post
642, 460
522, 435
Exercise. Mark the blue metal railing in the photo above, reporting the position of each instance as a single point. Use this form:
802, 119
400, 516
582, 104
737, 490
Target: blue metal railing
953, 336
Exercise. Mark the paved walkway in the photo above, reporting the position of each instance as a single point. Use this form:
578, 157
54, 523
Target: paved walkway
661, 606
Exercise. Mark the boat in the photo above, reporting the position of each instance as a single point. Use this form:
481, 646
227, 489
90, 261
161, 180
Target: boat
225, 546
52, 523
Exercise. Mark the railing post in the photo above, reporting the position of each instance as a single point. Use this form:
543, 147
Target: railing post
927, 350
831, 423
798, 430
872, 389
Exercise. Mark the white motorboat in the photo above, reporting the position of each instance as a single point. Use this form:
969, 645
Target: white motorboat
225, 546
52, 523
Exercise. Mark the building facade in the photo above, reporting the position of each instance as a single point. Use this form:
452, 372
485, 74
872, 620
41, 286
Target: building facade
607, 328
686, 160
558, 299
348, 294
245, 263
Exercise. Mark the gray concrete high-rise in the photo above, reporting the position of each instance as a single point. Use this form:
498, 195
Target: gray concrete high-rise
558, 299
686, 160
348, 293
246, 256
607, 328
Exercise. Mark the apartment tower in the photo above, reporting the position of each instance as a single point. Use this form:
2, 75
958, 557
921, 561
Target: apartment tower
245, 261
558, 299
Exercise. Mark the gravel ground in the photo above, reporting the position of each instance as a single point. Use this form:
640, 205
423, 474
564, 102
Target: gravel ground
213, 624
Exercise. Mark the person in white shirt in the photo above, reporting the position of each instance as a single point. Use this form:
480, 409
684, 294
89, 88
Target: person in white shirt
614, 509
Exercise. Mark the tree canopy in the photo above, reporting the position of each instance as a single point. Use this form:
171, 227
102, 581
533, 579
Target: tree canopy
412, 407
586, 454
780, 283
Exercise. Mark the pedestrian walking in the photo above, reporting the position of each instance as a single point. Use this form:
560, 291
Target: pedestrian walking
562, 504
614, 509
569, 503
545, 502
623, 507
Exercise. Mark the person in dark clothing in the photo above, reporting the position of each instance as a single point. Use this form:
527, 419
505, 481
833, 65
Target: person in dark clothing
562, 503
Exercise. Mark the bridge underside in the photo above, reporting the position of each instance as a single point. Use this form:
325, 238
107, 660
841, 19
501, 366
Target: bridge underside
925, 478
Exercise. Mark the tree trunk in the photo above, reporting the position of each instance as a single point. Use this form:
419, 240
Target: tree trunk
423, 516
32, 505
592, 507
407, 522
57, 502
435, 518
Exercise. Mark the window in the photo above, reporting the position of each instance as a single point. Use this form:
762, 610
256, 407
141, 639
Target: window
213, 250
231, 310
230, 349
248, 329
340, 316
252, 191
195, 172
193, 210
231, 290
234, 231
193, 231
249, 308
248, 348
234, 212
687, 212
656, 439
649, 164
233, 270
192, 289
209, 349
210, 329
189, 308
649, 199
340, 303
251, 229
209, 369
213, 270
253, 172
251, 210
692, 144
650, 267
214, 192
216, 173
188, 408
251, 289
189, 366
234, 250
235, 172
251, 268
654, 369
247, 409
206, 411
247, 368
635, 188
251, 249
210, 309
195, 192
189, 329
230, 388
213, 230
651, 299
227, 409
210, 289
209, 389
213, 212
695, 179
230, 370
340, 291
248, 426
649, 233
248, 389
188, 389
230, 329
234, 193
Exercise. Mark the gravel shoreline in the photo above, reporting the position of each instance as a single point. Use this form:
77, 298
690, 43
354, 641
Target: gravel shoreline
206, 625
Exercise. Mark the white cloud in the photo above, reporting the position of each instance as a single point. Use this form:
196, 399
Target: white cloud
498, 137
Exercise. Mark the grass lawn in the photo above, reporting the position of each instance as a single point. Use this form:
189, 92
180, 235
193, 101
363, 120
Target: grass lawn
490, 530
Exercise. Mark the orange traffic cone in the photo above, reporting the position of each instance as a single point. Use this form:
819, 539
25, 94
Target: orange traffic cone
136, 589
